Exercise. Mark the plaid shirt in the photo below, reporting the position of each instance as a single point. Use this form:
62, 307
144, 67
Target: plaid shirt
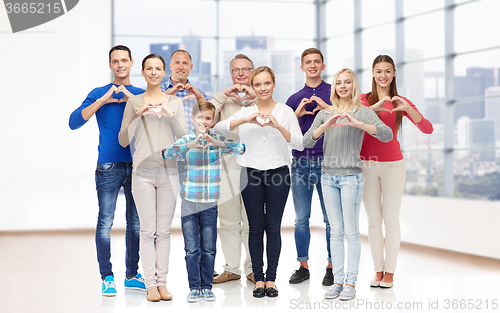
203, 168
188, 103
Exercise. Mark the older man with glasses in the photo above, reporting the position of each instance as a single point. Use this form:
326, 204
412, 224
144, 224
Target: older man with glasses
233, 230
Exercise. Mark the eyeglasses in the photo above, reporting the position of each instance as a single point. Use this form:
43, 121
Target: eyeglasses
244, 70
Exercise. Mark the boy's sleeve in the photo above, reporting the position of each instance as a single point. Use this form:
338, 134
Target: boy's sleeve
178, 147
232, 146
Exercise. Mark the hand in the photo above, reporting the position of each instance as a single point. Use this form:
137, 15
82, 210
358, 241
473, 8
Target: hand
253, 118
332, 122
379, 106
271, 121
147, 108
401, 104
108, 96
320, 104
212, 142
127, 94
351, 121
232, 91
249, 93
164, 110
173, 91
193, 93
301, 108
198, 142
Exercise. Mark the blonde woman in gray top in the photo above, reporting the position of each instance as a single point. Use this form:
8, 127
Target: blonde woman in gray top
343, 125
153, 118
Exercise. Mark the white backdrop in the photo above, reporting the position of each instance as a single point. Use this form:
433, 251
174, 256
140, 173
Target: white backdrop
47, 170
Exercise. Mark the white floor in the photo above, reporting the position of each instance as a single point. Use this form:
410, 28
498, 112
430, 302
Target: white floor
58, 272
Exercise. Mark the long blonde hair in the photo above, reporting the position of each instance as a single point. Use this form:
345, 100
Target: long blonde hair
354, 104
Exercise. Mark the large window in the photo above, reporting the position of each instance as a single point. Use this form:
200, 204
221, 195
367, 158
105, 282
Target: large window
447, 64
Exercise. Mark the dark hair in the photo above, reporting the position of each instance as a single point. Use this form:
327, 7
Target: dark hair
153, 56
181, 50
262, 69
120, 47
203, 105
240, 56
393, 90
311, 51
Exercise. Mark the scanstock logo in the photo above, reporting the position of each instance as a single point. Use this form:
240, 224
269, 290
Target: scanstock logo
31, 13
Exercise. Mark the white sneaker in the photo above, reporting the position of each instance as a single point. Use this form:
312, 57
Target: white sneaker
347, 293
333, 292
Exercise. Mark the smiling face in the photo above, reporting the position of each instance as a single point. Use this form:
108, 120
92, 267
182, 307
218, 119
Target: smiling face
180, 64
240, 77
312, 65
383, 74
202, 121
263, 85
344, 86
153, 71
120, 63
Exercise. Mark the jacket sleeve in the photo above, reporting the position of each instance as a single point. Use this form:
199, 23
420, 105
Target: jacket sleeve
129, 115
384, 132
308, 141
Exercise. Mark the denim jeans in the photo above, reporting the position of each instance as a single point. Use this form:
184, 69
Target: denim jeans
265, 197
109, 178
343, 195
200, 236
306, 173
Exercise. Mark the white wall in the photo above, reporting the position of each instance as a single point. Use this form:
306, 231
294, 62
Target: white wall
46, 170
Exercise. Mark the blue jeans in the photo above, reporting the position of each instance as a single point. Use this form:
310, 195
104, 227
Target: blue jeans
343, 195
109, 178
200, 236
265, 197
306, 173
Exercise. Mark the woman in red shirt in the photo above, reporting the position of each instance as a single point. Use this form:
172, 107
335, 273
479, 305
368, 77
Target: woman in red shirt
384, 168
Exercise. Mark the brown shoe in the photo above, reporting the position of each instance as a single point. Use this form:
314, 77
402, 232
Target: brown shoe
153, 294
164, 293
224, 277
251, 277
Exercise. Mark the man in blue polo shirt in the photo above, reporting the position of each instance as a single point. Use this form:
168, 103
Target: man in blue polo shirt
114, 168
306, 164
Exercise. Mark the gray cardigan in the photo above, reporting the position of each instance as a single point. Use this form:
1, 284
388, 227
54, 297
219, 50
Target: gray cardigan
342, 145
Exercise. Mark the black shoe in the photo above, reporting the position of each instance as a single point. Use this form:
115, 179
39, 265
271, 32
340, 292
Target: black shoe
328, 279
259, 292
271, 292
299, 275
215, 274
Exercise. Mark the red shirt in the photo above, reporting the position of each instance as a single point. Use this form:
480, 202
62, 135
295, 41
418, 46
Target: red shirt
376, 150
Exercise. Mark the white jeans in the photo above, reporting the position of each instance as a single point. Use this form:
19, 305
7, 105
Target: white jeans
233, 229
155, 193
384, 185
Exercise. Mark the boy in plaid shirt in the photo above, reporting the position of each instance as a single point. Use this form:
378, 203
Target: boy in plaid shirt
200, 192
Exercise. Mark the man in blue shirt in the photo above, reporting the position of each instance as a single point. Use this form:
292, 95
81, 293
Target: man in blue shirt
114, 168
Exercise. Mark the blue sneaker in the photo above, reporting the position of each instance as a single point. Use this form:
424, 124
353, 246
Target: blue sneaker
208, 295
137, 282
193, 296
108, 286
